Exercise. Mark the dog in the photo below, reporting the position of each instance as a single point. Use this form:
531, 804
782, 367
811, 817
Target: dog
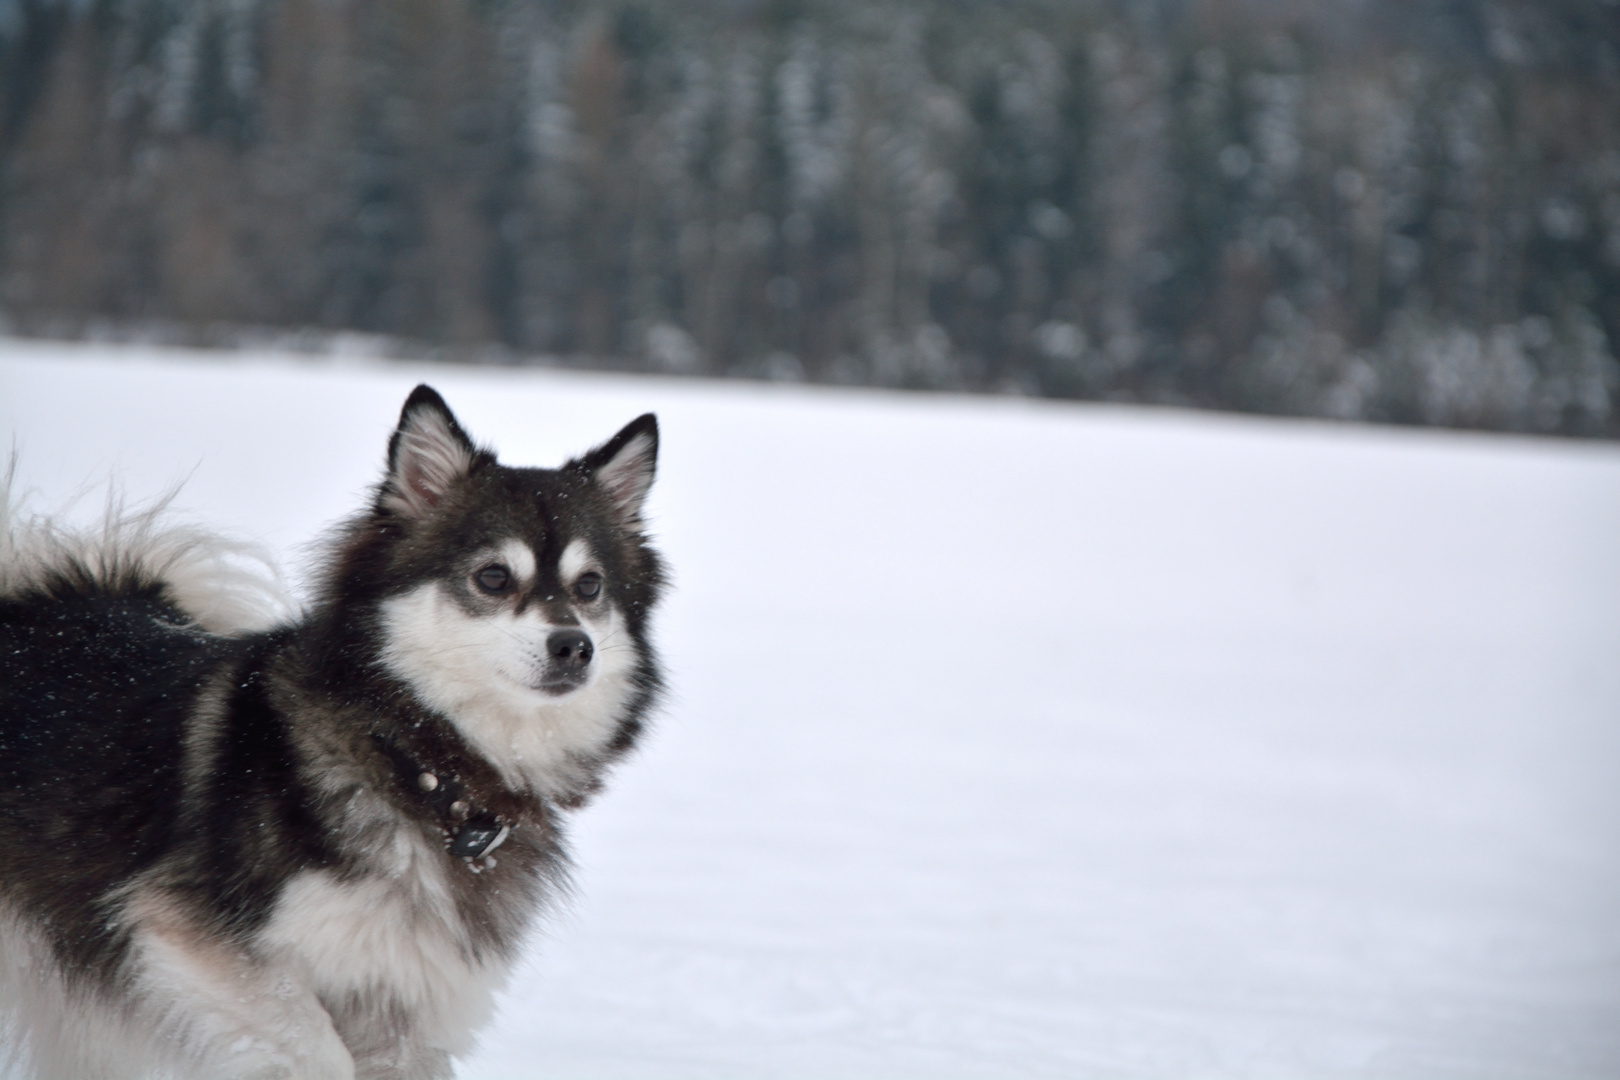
310, 851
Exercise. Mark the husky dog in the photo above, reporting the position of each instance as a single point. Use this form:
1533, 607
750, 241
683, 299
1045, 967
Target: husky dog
310, 851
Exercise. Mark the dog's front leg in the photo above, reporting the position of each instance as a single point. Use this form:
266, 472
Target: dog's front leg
218, 1013
386, 1040
404, 1060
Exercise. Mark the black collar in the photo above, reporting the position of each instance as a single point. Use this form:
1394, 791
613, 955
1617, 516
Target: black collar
470, 831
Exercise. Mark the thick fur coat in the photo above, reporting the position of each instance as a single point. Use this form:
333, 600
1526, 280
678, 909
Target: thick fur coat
310, 851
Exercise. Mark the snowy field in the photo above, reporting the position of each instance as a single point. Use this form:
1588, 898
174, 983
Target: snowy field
1018, 739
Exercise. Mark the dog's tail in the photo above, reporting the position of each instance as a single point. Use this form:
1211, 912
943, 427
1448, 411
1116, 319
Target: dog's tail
224, 586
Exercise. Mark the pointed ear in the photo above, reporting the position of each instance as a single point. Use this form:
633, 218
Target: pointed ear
624, 466
427, 455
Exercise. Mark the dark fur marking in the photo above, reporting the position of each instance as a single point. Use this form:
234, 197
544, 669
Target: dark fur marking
92, 713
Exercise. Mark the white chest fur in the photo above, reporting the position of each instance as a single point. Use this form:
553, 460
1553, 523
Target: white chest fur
390, 942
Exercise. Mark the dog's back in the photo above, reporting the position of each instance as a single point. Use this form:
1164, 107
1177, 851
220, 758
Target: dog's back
92, 721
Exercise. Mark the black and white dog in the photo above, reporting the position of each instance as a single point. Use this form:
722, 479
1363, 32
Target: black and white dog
310, 851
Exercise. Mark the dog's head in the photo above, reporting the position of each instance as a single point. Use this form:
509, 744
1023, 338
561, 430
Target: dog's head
513, 601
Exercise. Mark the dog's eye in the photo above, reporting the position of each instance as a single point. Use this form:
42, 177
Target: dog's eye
493, 579
589, 586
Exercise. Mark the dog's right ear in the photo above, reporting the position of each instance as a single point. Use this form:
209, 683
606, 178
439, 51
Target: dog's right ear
427, 455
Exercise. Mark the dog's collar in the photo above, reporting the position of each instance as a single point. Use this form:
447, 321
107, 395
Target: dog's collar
470, 832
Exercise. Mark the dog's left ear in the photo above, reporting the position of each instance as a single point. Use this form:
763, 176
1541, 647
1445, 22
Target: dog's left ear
427, 455
624, 466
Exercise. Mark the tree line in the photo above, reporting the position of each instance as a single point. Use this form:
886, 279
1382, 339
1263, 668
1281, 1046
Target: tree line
1399, 210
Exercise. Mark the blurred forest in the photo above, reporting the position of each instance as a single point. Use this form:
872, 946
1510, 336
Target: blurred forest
1398, 210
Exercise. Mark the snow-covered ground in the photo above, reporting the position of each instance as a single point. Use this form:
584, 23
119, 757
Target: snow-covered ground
1018, 739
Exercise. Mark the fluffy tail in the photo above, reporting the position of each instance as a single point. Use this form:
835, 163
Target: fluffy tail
224, 586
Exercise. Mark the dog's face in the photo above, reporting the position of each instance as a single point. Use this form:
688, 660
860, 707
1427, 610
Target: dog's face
515, 599
519, 610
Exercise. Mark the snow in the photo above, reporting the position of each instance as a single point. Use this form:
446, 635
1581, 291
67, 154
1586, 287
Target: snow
1019, 739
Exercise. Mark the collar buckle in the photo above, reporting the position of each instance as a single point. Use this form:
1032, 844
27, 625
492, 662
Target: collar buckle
479, 837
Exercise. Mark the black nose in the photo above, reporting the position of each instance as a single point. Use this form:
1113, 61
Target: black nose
569, 648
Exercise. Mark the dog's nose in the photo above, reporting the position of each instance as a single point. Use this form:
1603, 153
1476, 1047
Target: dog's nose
569, 648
